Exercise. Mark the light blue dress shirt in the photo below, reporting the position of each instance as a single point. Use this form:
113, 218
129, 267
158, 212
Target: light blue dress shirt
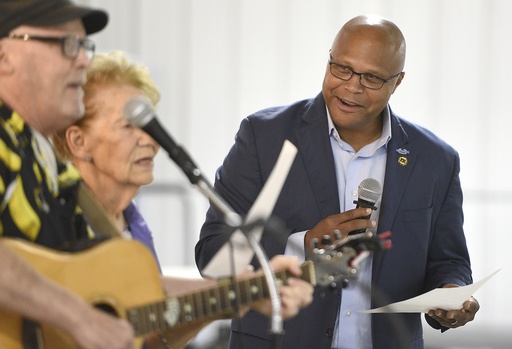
354, 328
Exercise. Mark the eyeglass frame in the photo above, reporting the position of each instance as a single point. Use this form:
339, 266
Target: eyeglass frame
384, 81
88, 45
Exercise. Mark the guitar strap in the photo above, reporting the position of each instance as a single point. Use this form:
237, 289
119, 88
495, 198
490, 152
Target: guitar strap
96, 217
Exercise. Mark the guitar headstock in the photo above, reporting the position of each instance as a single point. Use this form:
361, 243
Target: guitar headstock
337, 263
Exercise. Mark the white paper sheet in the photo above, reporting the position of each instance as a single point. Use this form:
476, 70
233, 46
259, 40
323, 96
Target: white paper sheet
221, 265
442, 298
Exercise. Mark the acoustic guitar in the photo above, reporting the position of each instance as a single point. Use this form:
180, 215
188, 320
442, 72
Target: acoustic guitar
121, 277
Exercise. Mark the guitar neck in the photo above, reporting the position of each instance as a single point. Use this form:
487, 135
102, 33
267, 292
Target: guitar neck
213, 303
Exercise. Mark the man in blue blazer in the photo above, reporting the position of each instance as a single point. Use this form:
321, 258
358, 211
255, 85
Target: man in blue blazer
344, 135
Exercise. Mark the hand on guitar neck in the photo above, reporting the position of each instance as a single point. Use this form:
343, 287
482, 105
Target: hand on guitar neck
295, 294
109, 277
121, 277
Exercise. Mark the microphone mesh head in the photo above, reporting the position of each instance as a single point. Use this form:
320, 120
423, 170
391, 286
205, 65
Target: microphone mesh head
369, 190
138, 111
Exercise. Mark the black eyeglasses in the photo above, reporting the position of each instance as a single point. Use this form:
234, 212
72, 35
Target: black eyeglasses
366, 79
70, 44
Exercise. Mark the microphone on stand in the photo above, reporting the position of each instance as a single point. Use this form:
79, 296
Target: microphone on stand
368, 192
139, 112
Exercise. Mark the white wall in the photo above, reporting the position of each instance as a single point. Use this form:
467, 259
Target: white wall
216, 61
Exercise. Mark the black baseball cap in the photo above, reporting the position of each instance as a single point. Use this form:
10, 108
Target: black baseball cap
14, 13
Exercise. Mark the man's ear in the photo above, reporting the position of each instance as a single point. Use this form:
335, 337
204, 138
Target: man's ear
399, 81
5, 66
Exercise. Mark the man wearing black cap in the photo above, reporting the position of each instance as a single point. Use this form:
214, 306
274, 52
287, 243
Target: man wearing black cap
44, 54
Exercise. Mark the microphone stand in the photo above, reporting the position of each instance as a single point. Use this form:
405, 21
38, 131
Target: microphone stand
234, 220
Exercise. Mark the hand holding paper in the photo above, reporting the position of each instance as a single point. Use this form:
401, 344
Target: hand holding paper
439, 298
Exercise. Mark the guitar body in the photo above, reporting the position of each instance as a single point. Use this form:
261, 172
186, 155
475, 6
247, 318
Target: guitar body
115, 275
121, 277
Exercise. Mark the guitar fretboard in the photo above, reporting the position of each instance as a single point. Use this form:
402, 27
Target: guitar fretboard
209, 304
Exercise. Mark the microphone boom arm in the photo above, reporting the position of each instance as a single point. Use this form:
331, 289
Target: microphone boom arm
234, 220
139, 112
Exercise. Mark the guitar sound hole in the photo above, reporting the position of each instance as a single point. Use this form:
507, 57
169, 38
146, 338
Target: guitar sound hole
107, 308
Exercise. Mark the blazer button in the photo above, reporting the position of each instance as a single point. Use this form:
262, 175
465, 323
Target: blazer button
329, 332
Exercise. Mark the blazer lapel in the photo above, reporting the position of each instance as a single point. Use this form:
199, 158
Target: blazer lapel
316, 153
399, 165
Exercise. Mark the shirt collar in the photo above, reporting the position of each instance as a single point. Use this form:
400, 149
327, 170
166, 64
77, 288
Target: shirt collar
386, 127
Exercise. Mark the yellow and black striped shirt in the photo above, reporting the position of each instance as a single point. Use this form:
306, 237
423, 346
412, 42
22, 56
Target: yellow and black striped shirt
37, 202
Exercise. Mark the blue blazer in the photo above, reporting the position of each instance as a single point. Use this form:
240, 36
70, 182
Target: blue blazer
421, 205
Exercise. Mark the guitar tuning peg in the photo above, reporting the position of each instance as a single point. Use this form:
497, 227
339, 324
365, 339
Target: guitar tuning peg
337, 235
314, 244
326, 240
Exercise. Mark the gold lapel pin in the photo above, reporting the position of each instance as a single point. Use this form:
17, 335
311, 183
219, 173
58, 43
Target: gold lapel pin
402, 160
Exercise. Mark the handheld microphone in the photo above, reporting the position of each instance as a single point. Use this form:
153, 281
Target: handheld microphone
368, 192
